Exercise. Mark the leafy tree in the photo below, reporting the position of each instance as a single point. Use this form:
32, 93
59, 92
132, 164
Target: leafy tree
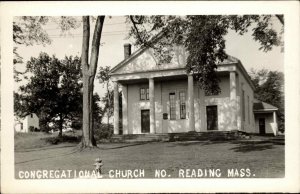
98, 113
53, 90
29, 31
203, 38
104, 78
269, 88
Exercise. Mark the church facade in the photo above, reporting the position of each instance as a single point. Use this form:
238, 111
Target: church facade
165, 99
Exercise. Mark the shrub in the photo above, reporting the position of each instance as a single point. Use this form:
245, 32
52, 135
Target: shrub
103, 131
44, 126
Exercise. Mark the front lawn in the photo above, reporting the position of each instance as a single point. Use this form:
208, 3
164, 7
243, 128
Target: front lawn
264, 158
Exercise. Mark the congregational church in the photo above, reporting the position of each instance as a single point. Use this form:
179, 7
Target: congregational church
160, 99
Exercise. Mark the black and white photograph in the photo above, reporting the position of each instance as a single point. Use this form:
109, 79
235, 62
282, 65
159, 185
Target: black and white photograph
170, 97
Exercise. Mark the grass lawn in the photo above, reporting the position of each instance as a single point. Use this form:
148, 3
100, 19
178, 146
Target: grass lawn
265, 158
31, 140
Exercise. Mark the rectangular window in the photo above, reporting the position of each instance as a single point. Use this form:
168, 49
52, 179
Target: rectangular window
147, 94
144, 93
172, 106
182, 105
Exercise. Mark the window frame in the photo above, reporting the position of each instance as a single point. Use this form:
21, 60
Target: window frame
172, 105
182, 103
145, 94
142, 94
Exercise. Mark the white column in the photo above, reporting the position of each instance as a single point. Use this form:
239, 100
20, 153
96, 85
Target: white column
191, 103
116, 108
233, 99
152, 105
124, 109
275, 123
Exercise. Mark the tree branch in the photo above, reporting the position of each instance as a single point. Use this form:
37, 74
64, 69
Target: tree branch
85, 43
96, 44
136, 29
147, 43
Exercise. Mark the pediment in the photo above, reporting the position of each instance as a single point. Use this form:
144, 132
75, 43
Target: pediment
145, 60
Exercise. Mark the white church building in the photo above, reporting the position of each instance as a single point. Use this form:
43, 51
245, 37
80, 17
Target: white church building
158, 99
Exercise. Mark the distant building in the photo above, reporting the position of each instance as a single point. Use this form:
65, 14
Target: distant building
165, 99
24, 124
265, 117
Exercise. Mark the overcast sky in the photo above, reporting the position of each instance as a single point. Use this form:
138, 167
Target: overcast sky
114, 36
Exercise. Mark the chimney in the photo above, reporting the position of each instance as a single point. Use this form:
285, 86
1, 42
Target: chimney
127, 50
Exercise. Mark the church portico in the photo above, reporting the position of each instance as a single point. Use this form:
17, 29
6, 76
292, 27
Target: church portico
151, 101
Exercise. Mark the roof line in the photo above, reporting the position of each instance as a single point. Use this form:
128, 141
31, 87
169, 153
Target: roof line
267, 109
156, 70
132, 56
137, 52
243, 70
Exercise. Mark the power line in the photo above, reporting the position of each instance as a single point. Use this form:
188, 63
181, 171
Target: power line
110, 24
103, 33
71, 36
107, 32
78, 36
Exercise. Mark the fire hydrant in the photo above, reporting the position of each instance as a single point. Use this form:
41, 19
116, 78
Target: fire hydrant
98, 165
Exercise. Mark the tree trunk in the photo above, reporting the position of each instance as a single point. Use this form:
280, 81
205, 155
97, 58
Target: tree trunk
60, 126
89, 72
87, 125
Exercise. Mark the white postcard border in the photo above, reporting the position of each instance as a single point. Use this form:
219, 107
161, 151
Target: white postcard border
291, 181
